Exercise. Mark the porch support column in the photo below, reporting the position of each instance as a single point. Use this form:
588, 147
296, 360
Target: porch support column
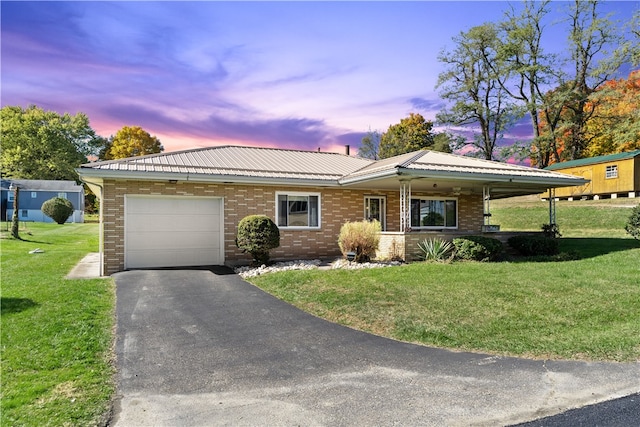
486, 204
405, 205
552, 206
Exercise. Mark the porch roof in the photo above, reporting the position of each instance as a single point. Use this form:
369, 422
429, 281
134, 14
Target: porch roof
429, 170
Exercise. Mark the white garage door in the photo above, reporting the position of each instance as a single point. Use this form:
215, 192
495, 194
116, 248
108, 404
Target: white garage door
163, 231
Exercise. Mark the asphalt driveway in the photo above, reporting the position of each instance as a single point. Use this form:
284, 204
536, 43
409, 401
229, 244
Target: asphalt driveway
202, 348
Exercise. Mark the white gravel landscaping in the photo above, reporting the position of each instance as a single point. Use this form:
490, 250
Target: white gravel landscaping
246, 272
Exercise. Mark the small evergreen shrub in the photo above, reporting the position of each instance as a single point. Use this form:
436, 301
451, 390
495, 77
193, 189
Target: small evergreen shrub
361, 238
257, 235
534, 245
633, 224
551, 231
435, 250
58, 209
477, 248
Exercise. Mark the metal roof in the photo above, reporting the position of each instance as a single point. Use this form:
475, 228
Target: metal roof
235, 161
594, 160
270, 165
434, 162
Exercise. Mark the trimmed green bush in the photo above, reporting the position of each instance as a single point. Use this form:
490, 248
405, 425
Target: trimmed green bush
551, 231
633, 224
362, 238
477, 248
58, 209
257, 235
435, 250
534, 245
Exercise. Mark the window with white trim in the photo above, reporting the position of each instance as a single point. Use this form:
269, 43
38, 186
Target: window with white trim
62, 195
434, 213
298, 210
34, 194
611, 171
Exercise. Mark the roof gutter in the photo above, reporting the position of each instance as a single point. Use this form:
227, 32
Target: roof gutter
554, 181
87, 173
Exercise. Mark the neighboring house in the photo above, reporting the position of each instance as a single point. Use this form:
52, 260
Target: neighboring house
183, 208
609, 176
33, 193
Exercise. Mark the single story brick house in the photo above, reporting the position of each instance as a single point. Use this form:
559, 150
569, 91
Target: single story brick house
183, 208
34, 192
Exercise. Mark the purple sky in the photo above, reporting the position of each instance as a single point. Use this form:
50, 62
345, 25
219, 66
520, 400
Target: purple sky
281, 74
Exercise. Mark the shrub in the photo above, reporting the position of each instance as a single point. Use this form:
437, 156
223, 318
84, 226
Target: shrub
477, 248
58, 209
633, 224
435, 249
361, 238
534, 245
551, 231
257, 234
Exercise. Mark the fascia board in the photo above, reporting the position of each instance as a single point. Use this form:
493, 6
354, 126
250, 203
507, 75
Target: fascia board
553, 181
481, 177
218, 179
369, 177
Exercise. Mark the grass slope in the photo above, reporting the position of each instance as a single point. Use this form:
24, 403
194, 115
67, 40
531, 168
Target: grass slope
56, 333
587, 309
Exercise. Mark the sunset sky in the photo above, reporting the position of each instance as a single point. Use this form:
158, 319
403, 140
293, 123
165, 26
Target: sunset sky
304, 75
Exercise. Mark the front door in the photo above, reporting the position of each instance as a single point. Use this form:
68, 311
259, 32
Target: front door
375, 208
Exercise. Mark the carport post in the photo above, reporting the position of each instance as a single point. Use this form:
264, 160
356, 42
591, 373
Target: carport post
552, 206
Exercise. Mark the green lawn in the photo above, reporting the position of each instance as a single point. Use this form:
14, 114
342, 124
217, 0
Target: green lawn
56, 350
586, 309
578, 218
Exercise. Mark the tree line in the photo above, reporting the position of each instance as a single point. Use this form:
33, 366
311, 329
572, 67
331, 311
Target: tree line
39, 144
498, 72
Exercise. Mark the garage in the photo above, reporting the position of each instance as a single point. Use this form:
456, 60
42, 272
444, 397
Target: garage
173, 231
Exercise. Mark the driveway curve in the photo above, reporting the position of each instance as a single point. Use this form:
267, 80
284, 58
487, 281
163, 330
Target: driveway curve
205, 348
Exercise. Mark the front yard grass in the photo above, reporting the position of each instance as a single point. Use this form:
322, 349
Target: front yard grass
587, 309
56, 349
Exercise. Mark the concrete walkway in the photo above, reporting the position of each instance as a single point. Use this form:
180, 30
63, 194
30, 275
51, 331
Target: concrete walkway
196, 348
87, 268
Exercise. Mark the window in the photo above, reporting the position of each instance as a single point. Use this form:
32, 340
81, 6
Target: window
434, 213
374, 208
34, 194
10, 196
612, 171
25, 213
62, 195
298, 210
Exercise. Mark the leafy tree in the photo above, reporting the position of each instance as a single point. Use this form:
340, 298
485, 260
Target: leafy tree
473, 81
411, 134
445, 141
615, 124
38, 144
597, 48
370, 145
531, 69
130, 141
58, 209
